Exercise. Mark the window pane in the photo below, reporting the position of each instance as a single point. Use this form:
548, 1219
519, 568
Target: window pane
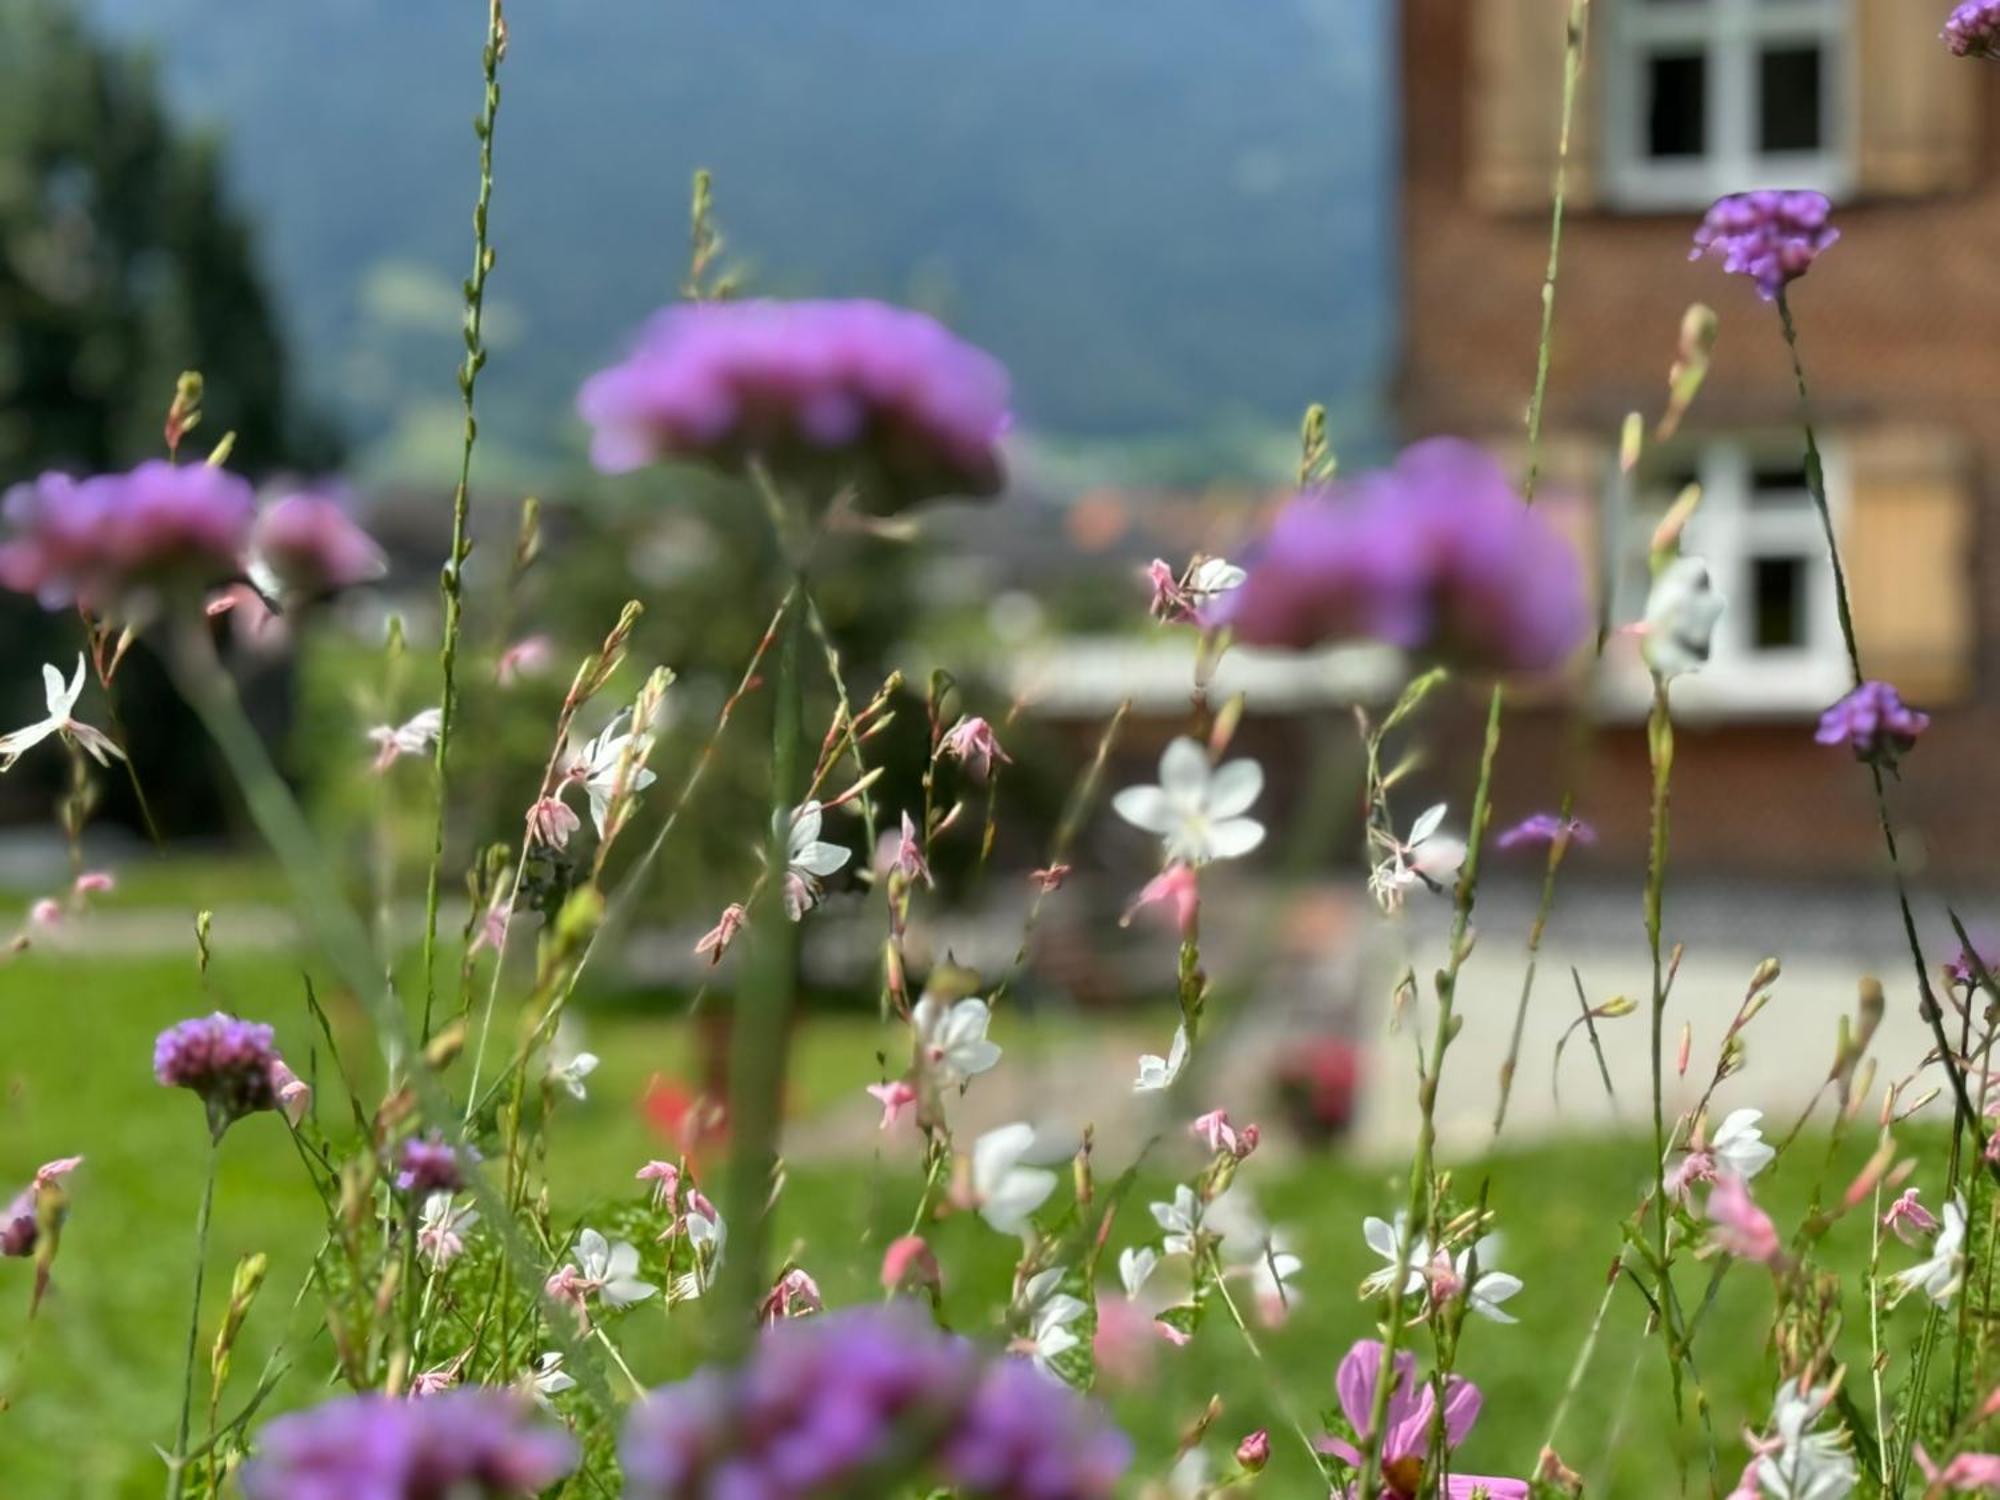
1788, 108
1778, 602
1677, 104
1777, 483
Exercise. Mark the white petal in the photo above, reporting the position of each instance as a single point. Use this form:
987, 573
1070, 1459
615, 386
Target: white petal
1233, 838
1381, 1238
973, 1058
1016, 1196
997, 1152
821, 859
592, 1254
1136, 1265
1145, 807
1184, 772
1038, 1286
1234, 787
1427, 824
805, 826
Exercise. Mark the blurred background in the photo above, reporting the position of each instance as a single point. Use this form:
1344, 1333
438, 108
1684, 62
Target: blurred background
1178, 223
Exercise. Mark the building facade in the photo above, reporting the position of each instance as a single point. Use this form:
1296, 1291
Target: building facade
1682, 101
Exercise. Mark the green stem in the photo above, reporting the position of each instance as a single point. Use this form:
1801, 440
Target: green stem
450, 579
759, 1039
177, 1464
1816, 487
1660, 746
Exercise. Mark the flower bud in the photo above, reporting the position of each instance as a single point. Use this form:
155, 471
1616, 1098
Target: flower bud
1254, 1451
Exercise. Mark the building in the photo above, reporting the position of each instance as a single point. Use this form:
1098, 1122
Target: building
1682, 101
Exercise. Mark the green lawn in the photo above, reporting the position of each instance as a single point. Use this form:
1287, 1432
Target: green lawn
91, 1385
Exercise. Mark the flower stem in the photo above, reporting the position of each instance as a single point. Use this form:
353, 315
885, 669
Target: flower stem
177, 1463
759, 1038
450, 579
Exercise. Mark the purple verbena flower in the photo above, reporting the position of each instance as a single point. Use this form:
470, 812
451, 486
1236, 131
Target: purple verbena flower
824, 394
1973, 29
1874, 722
104, 542
1406, 1435
1985, 954
233, 1064
467, 1444
1546, 828
1772, 235
1027, 1436
429, 1164
305, 546
1437, 555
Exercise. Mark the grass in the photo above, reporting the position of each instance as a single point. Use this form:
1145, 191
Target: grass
91, 1384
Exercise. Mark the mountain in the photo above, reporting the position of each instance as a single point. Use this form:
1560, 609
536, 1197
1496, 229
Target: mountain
1170, 217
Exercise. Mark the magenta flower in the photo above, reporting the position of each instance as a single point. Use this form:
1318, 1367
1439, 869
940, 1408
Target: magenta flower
894, 1097
305, 546
1437, 555
1406, 1437
474, 1442
972, 743
1873, 722
1771, 236
1546, 828
1973, 29
104, 542
823, 394
21, 1220
1742, 1229
233, 1064
1909, 1218
429, 1164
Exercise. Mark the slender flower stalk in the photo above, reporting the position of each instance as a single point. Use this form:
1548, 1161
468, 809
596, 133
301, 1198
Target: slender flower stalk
1558, 847
177, 1462
451, 579
1468, 882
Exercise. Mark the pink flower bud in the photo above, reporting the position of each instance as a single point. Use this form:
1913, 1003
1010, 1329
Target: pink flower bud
1254, 1451
908, 1265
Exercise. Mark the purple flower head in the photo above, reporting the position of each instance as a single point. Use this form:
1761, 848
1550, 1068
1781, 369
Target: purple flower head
1874, 722
1437, 555
1771, 236
430, 1164
824, 394
1973, 29
305, 546
1027, 1436
858, 1400
467, 1444
1546, 828
102, 542
1407, 1430
1965, 968
231, 1063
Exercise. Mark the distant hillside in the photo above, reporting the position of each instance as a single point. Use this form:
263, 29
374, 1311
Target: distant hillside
1168, 216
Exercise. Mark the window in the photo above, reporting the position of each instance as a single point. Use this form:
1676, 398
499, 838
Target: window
1778, 650
1706, 97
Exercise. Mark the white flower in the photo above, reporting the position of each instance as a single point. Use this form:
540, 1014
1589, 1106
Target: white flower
1188, 1478
598, 764
1681, 612
1939, 1277
1157, 1073
1136, 1264
1271, 1273
808, 861
549, 1378
1485, 1295
952, 1042
1428, 858
412, 738
1212, 576
1738, 1147
61, 699
1806, 1465
1197, 809
707, 1236
1389, 1242
442, 1229
1181, 1219
569, 1064
611, 1269
1007, 1191
1050, 1314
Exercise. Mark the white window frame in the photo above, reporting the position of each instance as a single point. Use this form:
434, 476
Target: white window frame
1728, 531
1730, 33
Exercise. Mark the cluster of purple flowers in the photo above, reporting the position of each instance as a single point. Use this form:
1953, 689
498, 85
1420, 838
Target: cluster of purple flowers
305, 545
1437, 555
824, 394
231, 1063
1973, 29
867, 1397
473, 1443
1874, 722
97, 542
1772, 235
429, 1164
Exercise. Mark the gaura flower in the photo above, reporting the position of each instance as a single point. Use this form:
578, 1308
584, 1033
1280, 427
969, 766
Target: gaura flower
665, 1177
1136, 1264
61, 720
527, 657
824, 395
894, 1097
1005, 1190
1485, 1292
1181, 599
1214, 1129
794, 1295
1799, 1463
569, 1064
951, 1040
909, 861
1197, 810
1681, 614
1940, 1276
1178, 889
1965, 1473
613, 764
1404, 1255
1271, 1271
1181, 1219
1051, 1314
1157, 1074
1406, 1436
1742, 1229
808, 861
972, 743
600, 1268
415, 737
548, 1378
1771, 236
1738, 1148
1427, 859
551, 822
442, 1230
715, 942
1908, 1218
